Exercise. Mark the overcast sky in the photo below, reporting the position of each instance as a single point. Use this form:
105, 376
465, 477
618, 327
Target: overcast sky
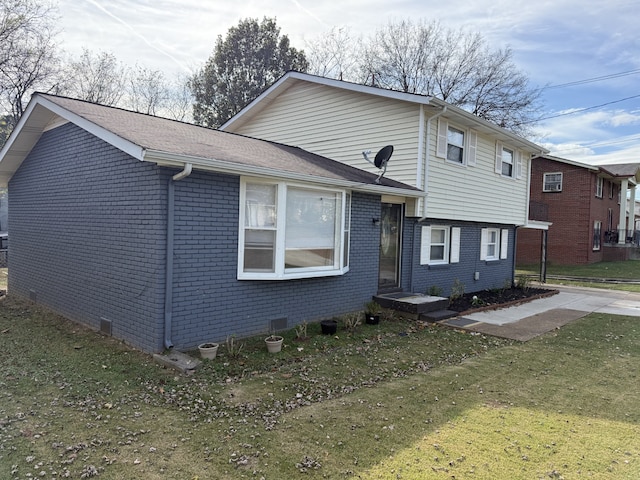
555, 42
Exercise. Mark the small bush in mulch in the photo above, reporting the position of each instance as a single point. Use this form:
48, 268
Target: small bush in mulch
494, 298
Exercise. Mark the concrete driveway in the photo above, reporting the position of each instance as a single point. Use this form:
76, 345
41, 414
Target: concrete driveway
526, 321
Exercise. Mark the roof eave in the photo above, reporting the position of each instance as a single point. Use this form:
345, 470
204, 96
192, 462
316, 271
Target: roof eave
165, 159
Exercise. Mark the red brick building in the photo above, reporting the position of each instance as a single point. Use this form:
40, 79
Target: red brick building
582, 202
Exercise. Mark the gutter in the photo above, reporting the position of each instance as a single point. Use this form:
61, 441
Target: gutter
168, 285
220, 166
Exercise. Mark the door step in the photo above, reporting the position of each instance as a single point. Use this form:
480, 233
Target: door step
412, 303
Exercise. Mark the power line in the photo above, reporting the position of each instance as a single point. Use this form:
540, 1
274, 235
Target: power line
579, 110
594, 79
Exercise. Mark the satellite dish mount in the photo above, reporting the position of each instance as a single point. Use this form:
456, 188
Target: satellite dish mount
381, 159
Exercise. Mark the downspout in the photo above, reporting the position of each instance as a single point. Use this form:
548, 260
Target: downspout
168, 285
426, 162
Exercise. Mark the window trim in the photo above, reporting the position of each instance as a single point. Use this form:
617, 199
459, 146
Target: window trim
469, 143
545, 183
501, 251
451, 245
341, 240
597, 235
599, 186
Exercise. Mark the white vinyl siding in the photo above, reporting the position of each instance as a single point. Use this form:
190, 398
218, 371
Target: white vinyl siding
305, 116
476, 194
340, 124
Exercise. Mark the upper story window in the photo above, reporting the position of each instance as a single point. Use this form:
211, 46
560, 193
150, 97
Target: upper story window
455, 144
599, 186
552, 182
292, 231
508, 161
612, 188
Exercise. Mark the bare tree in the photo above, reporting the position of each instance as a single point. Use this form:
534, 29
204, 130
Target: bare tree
148, 90
428, 59
180, 101
28, 58
96, 77
336, 54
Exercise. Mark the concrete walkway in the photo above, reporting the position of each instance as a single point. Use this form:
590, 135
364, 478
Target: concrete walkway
528, 320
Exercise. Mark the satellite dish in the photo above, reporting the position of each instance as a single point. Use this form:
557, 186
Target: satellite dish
381, 159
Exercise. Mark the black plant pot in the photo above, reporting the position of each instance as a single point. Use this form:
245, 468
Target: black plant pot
371, 319
329, 327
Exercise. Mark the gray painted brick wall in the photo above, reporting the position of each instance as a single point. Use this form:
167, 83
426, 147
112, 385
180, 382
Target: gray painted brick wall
493, 274
211, 304
87, 228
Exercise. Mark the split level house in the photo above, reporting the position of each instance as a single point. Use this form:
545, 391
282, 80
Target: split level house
165, 234
588, 209
474, 176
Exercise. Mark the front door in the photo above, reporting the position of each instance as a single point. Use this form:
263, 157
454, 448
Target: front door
390, 243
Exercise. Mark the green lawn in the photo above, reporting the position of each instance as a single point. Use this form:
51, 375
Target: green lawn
399, 400
629, 269
598, 272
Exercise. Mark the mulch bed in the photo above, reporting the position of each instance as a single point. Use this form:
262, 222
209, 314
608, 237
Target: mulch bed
497, 298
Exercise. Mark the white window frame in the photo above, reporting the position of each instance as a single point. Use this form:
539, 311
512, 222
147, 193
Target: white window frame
551, 185
599, 186
597, 235
341, 238
469, 143
500, 244
451, 244
517, 160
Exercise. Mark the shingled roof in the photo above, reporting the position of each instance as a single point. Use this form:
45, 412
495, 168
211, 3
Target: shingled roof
173, 143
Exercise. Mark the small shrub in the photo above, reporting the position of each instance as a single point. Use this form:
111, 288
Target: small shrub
234, 349
457, 290
523, 282
301, 330
476, 301
435, 291
372, 307
351, 321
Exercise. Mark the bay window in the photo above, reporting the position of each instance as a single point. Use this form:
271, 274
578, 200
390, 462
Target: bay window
292, 231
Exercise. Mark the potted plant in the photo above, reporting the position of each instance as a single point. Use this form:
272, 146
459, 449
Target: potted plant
208, 350
329, 327
372, 311
274, 343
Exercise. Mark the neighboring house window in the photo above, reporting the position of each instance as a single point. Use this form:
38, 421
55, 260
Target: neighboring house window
455, 144
552, 182
597, 228
494, 244
292, 231
599, 185
612, 187
610, 219
440, 245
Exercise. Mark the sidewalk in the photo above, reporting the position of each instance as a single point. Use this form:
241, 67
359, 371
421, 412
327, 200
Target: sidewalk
528, 320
